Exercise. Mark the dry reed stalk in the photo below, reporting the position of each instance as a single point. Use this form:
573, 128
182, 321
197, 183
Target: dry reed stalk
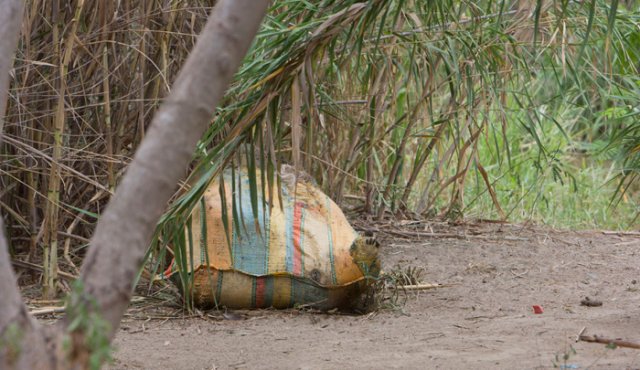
50, 253
108, 130
53, 193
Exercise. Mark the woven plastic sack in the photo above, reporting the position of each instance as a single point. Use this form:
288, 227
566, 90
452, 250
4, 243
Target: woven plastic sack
303, 253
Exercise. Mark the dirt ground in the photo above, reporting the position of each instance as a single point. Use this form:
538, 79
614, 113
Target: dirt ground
482, 319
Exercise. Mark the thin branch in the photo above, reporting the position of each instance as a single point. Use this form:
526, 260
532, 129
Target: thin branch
35, 267
616, 342
46, 311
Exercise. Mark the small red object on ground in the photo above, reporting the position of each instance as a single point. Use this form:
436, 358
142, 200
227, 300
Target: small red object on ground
537, 309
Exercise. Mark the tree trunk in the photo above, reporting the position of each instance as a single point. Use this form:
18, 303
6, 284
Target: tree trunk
12, 309
125, 228
18, 330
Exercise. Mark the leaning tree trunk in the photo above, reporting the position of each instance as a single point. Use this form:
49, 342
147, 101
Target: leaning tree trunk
125, 228
14, 319
19, 332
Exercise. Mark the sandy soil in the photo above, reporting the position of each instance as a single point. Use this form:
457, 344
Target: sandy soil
483, 319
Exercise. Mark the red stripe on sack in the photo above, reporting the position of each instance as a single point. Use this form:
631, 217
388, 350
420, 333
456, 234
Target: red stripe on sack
260, 290
297, 248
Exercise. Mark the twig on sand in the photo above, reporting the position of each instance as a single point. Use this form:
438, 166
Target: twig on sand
564, 241
47, 311
580, 333
418, 286
621, 233
616, 342
418, 234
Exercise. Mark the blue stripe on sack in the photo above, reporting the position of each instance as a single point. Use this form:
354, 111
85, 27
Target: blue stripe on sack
288, 218
267, 231
250, 248
334, 278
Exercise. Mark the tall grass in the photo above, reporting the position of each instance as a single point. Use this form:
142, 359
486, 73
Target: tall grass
87, 78
422, 109
392, 100
397, 108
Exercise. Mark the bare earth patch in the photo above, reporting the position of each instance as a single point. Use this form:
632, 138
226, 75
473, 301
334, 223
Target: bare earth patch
483, 319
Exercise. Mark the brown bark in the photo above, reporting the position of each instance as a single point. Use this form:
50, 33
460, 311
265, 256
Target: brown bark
125, 228
12, 309
10, 18
18, 330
